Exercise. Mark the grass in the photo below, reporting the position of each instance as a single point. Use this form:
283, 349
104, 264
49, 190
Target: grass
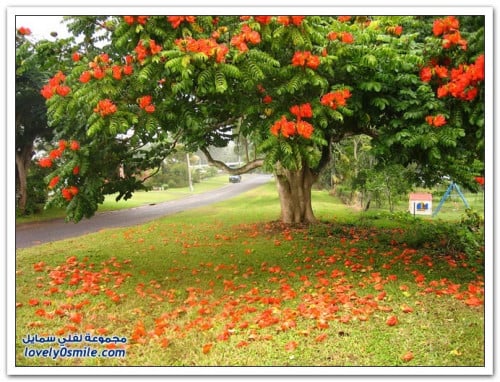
139, 198
227, 285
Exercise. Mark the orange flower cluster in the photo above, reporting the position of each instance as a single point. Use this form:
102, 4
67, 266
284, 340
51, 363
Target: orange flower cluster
445, 25
344, 19
177, 20
302, 111
143, 51
209, 47
69, 193
264, 20
287, 128
426, 73
247, 35
135, 19
448, 27
397, 30
462, 82
336, 99
436, 121
291, 128
55, 86
305, 59
101, 65
45, 162
452, 39
284, 20
56, 153
53, 182
24, 31
287, 20
345, 37
105, 107
145, 104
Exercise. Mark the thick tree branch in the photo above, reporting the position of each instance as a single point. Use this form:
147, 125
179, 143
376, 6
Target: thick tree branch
233, 171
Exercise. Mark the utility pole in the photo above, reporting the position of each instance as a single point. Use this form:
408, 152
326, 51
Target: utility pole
190, 180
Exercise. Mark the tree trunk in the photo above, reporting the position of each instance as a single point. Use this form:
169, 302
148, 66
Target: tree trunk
23, 160
294, 188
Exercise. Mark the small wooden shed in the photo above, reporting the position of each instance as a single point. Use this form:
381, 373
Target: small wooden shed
420, 203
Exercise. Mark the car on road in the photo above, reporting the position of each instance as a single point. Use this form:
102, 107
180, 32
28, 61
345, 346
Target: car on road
234, 178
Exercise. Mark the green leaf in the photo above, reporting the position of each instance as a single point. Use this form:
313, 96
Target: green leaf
220, 82
379, 102
371, 86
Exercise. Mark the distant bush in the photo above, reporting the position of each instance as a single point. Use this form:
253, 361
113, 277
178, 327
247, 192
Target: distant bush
463, 239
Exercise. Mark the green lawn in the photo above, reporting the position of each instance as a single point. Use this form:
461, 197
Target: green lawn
227, 285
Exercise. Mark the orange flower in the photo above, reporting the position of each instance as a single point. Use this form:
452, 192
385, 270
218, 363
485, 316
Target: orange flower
347, 38
344, 19
175, 21
33, 301
302, 111
128, 70
284, 20
267, 99
436, 121
74, 146
145, 104
297, 20
24, 31
129, 19
75, 317
69, 192
47, 91
264, 20
321, 337
291, 346
117, 72
105, 107
154, 48
85, 77
53, 182
335, 99
206, 348
56, 153
305, 129
332, 36
392, 320
144, 101
98, 73
407, 357
305, 59
45, 162
445, 25
63, 90
150, 109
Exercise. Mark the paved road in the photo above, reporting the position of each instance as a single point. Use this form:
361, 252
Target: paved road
31, 234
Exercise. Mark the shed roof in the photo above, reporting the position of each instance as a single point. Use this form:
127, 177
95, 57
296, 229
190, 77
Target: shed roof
421, 196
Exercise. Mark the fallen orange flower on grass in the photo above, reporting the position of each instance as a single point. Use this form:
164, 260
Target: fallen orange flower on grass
392, 320
207, 347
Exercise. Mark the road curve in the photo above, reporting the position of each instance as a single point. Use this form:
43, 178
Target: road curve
31, 234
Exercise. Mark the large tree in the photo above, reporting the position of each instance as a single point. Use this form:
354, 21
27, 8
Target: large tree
31, 121
290, 85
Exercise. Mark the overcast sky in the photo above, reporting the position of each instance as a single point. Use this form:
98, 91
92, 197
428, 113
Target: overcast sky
42, 26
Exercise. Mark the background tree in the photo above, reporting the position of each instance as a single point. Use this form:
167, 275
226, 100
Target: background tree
291, 85
35, 62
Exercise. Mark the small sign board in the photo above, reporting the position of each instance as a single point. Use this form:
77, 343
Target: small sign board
420, 204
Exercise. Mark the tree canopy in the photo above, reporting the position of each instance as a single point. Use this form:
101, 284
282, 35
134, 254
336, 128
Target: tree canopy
291, 85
